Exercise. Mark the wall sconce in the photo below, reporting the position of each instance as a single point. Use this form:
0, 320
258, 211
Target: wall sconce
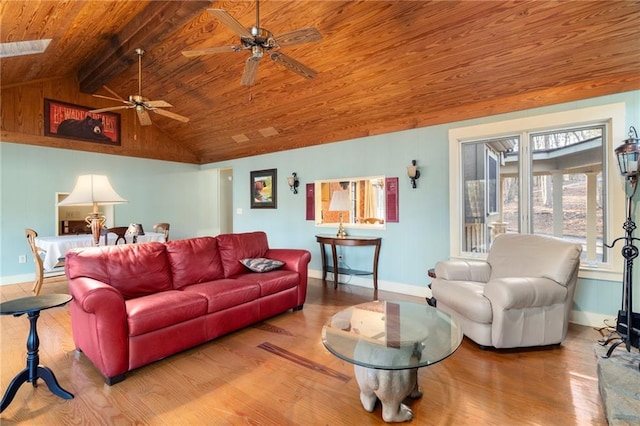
293, 182
413, 172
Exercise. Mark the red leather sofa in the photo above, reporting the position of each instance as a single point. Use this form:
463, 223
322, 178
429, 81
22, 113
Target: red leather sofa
134, 304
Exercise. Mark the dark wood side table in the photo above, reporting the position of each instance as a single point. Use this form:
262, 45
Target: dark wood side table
32, 307
334, 241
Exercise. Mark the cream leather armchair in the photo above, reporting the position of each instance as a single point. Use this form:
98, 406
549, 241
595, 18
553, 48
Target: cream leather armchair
520, 296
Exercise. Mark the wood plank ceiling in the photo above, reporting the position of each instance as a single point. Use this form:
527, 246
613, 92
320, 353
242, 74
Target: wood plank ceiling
382, 66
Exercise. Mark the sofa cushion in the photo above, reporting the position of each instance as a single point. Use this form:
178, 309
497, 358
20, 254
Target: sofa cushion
235, 247
135, 270
159, 310
194, 260
271, 282
139, 269
225, 293
262, 264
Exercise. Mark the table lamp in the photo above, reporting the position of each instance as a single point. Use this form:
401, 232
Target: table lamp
93, 190
340, 203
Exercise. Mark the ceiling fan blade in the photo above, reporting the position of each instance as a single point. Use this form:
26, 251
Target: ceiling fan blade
112, 92
143, 116
293, 65
170, 114
305, 35
157, 104
95, 111
250, 71
231, 22
110, 98
211, 50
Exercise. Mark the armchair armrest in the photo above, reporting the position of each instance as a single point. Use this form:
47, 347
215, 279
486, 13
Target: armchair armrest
463, 270
524, 292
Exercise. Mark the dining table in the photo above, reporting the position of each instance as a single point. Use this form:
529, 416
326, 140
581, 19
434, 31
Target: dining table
56, 247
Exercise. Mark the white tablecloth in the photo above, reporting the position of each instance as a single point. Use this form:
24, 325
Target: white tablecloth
58, 247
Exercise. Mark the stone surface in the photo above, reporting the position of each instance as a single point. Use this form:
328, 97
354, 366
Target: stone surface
619, 384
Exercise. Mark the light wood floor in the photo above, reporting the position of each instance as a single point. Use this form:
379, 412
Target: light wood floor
234, 381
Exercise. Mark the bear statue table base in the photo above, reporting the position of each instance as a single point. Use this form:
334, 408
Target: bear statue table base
387, 342
391, 387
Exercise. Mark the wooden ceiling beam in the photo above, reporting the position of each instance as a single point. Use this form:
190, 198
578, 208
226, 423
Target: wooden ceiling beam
154, 24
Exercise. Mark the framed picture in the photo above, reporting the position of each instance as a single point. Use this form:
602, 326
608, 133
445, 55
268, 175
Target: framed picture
63, 120
264, 190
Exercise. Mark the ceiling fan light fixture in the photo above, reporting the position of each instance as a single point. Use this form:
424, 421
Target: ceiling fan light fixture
259, 41
139, 103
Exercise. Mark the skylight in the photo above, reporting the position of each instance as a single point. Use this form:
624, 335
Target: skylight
19, 48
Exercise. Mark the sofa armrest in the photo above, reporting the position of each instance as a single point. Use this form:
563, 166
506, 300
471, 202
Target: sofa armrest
524, 292
463, 270
99, 324
295, 260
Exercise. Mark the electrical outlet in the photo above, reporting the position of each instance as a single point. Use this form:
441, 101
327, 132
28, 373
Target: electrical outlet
22, 258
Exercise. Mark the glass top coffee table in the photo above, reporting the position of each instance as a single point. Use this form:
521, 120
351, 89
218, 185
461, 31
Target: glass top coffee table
387, 341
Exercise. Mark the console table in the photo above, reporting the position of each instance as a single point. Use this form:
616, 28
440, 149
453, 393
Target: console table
32, 306
334, 241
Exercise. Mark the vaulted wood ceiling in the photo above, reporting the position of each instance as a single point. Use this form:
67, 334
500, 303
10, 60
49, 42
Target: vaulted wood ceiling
382, 66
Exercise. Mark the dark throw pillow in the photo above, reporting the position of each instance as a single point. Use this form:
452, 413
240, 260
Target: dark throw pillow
261, 264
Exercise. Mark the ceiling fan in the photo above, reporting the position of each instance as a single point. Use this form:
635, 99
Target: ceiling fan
260, 41
140, 104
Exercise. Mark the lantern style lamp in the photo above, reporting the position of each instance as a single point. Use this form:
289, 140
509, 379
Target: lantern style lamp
628, 324
93, 190
340, 203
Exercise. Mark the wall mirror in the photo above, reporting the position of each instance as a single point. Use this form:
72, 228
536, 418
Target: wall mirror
360, 201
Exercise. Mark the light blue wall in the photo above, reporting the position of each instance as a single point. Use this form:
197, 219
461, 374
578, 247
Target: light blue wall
185, 196
157, 191
421, 238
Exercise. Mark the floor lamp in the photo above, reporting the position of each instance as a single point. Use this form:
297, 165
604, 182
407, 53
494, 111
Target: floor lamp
628, 155
93, 190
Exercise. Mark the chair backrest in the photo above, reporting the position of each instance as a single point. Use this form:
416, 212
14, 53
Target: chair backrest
521, 255
31, 239
120, 231
162, 228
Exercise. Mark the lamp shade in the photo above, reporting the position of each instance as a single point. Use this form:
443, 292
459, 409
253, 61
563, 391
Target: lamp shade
92, 190
340, 201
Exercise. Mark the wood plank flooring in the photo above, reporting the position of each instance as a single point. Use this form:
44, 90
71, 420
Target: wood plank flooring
239, 379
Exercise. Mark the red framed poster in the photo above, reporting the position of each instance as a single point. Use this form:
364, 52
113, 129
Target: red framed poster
63, 120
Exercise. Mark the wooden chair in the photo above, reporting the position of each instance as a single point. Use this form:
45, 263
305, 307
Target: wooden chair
162, 228
120, 231
37, 259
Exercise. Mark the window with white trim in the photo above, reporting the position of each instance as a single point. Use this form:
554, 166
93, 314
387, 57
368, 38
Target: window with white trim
547, 175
